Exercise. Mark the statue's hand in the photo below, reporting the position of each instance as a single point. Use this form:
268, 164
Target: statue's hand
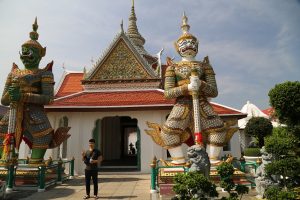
14, 93
194, 83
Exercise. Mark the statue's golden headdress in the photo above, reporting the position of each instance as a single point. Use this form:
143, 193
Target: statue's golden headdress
185, 32
34, 36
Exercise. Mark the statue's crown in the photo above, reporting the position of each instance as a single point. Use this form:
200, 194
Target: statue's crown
34, 36
185, 27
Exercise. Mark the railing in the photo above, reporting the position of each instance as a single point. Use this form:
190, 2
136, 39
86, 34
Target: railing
155, 169
253, 164
37, 177
249, 163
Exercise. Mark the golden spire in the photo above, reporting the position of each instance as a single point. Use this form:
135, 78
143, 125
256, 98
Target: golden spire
132, 31
34, 36
185, 27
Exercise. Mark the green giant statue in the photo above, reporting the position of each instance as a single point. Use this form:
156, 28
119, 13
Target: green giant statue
26, 92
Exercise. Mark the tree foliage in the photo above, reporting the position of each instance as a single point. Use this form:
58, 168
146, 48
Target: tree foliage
281, 143
259, 127
193, 185
226, 170
276, 193
285, 99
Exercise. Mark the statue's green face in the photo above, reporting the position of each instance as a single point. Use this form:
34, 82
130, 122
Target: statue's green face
30, 57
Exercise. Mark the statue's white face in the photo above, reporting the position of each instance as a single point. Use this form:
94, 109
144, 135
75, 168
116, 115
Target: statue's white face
188, 48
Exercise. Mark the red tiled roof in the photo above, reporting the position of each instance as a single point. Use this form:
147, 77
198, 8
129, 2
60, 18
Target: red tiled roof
223, 110
114, 98
269, 111
71, 84
77, 98
146, 98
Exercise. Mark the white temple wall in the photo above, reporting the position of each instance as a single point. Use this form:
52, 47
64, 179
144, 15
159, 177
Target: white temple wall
235, 149
83, 123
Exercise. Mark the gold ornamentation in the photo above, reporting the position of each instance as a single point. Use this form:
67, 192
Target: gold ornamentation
31, 173
43, 133
178, 158
119, 65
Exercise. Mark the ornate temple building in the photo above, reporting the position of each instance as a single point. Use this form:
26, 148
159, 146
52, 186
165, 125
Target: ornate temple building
112, 102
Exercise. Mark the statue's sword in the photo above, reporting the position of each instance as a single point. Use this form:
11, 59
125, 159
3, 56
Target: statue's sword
196, 109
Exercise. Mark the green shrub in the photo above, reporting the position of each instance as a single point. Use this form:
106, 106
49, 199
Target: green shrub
259, 127
193, 185
281, 142
285, 99
226, 170
252, 152
276, 193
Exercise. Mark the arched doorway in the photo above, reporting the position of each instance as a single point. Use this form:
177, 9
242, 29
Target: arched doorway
118, 138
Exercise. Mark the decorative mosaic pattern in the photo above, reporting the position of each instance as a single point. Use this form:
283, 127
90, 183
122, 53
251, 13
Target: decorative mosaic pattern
121, 64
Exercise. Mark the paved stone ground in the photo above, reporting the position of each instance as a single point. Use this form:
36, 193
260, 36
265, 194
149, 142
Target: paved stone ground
112, 186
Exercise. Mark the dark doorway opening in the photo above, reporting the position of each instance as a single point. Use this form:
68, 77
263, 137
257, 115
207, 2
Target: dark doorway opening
118, 139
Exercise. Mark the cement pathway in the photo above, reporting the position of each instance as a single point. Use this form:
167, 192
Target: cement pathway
112, 186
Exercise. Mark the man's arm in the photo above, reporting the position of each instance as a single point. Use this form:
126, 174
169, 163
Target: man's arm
83, 155
99, 159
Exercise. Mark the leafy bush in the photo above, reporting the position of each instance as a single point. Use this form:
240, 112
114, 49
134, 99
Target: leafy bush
252, 152
281, 143
275, 193
226, 170
284, 144
285, 99
288, 167
193, 185
259, 127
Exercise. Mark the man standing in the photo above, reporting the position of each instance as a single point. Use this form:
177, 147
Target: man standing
91, 158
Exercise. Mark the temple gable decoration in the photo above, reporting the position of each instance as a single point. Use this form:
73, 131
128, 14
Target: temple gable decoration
121, 62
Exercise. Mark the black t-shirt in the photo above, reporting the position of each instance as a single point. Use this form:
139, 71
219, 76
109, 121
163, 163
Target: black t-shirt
91, 155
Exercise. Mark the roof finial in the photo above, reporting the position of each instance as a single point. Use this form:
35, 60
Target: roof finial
63, 66
185, 27
84, 73
122, 29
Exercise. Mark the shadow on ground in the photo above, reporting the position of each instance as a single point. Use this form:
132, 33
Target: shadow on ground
15, 195
118, 197
48, 194
104, 180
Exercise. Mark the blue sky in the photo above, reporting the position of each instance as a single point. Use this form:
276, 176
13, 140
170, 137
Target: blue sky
252, 44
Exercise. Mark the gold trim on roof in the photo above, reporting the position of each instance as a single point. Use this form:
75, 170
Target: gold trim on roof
120, 64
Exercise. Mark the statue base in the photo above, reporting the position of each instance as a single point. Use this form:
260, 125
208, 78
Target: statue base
239, 177
165, 180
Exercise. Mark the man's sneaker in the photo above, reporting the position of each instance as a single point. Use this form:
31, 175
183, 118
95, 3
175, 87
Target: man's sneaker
96, 197
86, 197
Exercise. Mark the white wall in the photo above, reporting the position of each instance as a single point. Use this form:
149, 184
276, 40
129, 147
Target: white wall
83, 123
